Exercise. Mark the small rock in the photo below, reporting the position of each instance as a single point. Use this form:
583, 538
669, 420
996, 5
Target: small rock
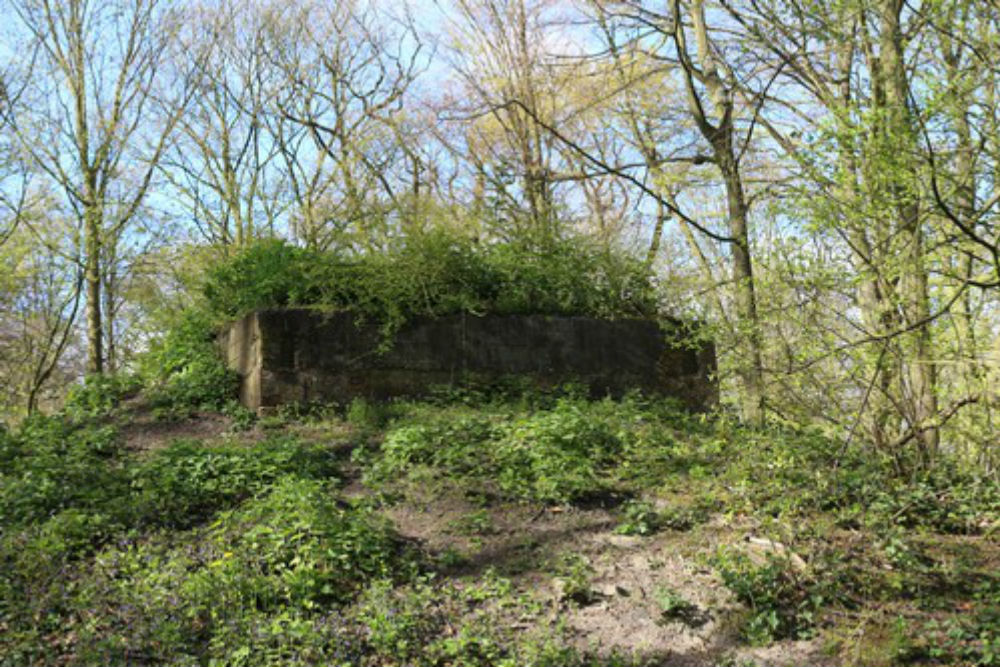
611, 590
624, 541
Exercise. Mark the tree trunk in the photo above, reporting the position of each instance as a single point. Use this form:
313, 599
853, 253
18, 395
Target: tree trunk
720, 134
919, 369
92, 243
751, 366
108, 316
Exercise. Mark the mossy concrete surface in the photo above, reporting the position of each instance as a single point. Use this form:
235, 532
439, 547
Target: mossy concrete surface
302, 355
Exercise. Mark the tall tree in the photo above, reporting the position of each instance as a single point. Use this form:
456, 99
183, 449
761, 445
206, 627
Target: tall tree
681, 41
878, 146
346, 69
40, 293
507, 92
224, 163
101, 118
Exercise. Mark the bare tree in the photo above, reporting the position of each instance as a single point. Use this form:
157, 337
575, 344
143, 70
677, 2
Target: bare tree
501, 51
99, 117
225, 162
40, 298
711, 90
346, 70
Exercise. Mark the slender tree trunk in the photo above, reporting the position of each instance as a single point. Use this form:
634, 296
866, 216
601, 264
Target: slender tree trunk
95, 332
920, 370
110, 335
93, 212
871, 294
965, 199
752, 366
654, 243
720, 134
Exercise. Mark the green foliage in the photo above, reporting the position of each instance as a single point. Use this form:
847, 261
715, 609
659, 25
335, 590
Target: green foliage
782, 603
944, 499
266, 274
575, 575
478, 522
687, 516
639, 518
675, 606
99, 395
368, 416
973, 638
569, 277
429, 624
242, 554
313, 551
185, 371
454, 445
560, 455
432, 274
273, 564
52, 464
401, 625
557, 456
256, 582
761, 468
243, 418
280, 548
187, 482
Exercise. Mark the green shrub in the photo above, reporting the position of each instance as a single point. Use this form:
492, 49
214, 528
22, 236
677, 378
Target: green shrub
255, 587
266, 274
52, 464
99, 394
639, 518
400, 625
560, 455
32, 555
575, 574
569, 277
67, 490
457, 446
434, 273
369, 416
188, 482
675, 606
185, 371
780, 471
974, 637
311, 551
943, 499
782, 603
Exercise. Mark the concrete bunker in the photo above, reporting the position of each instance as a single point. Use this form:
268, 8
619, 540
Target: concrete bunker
304, 355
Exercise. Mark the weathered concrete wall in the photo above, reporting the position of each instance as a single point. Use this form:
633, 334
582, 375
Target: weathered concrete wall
285, 356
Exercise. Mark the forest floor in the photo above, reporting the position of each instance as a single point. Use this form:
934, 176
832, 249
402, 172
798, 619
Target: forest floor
605, 593
565, 532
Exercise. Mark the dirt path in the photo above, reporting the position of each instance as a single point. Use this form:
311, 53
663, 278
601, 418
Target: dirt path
647, 596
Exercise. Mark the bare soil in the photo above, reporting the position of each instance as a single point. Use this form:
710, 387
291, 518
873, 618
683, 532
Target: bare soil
145, 433
626, 576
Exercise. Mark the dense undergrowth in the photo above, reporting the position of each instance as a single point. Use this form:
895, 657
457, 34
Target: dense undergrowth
247, 551
432, 274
